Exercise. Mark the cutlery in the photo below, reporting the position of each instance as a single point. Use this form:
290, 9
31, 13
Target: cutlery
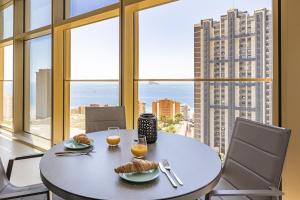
167, 174
168, 167
71, 154
74, 152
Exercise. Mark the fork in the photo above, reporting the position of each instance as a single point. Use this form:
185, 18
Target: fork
71, 154
168, 167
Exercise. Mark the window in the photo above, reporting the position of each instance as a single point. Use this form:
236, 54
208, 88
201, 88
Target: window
179, 50
6, 21
38, 14
6, 86
38, 92
94, 77
77, 7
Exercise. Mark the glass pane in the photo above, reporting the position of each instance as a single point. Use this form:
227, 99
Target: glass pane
38, 13
7, 104
185, 39
77, 7
205, 111
6, 88
95, 51
89, 94
8, 63
38, 86
6, 20
172, 102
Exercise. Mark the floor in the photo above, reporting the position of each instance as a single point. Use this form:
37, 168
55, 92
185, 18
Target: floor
25, 172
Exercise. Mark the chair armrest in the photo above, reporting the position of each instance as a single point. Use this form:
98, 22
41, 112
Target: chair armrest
11, 162
273, 192
26, 193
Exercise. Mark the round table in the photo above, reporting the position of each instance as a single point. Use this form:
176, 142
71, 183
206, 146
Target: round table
93, 177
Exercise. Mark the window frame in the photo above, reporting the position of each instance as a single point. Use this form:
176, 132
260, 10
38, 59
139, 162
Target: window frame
126, 10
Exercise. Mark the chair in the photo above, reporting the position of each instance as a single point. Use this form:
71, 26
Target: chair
101, 118
254, 162
9, 191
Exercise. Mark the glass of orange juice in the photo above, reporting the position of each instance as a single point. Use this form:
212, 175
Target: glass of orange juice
139, 147
113, 138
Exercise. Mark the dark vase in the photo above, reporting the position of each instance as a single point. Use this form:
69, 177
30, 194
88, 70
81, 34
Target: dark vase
147, 126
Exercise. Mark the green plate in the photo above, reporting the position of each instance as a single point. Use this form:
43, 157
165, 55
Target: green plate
71, 144
140, 177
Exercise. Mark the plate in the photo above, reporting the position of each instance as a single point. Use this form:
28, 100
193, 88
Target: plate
140, 177
71, 144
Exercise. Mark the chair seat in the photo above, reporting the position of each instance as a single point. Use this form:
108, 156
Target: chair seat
225, 185
13, 189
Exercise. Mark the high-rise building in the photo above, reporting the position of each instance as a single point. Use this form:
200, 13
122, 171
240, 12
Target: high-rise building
185, 111
238, 46
142, 107
43, 93
166, 107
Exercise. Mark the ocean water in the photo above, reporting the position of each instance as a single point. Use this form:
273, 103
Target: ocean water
108, 93
86, 93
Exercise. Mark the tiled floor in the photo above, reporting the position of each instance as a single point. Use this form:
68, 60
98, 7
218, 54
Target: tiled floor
25, 172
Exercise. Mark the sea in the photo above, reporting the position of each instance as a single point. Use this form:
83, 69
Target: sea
86, 93
108, 93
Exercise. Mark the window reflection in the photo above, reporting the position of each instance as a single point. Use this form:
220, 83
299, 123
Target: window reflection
38, 94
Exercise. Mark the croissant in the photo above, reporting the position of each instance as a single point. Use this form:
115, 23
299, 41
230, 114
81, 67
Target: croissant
137, 165
82, 139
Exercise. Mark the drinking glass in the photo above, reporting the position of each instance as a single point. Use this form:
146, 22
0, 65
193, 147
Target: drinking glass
113, 138
139, 147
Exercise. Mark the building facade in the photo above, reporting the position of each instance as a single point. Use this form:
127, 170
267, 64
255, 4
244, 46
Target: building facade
165, 107
43, 94
239, 46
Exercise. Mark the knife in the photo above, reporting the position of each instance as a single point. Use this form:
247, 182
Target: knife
162, 168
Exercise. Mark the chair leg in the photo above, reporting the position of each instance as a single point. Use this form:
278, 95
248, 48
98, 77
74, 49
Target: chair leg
207, 197
48, 196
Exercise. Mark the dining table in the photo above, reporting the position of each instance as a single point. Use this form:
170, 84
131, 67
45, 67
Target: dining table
92, 176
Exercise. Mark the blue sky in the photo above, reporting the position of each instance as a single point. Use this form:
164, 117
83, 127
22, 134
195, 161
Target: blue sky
165, 37
166, 46
166, 34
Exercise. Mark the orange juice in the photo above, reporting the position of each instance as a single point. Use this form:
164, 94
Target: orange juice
113, 140
139, 150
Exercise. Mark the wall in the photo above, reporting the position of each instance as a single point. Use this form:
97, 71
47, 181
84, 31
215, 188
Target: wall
291, 94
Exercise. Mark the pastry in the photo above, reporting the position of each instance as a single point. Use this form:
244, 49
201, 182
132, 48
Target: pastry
82, 139
136, 165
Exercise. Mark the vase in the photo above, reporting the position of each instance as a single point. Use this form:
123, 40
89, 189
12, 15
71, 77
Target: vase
147, 126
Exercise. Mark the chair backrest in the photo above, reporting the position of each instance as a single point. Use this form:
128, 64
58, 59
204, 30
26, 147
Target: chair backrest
3, 179
255, 155
101, 118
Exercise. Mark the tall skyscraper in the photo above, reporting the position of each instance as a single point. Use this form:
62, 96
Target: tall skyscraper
142, 107
43, 93
166, 107
238, 46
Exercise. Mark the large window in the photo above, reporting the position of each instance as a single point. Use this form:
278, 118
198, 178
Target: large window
200, 66
77, 7
94, 77
6, 86
6, 21
38, 93
38, 14
196, 64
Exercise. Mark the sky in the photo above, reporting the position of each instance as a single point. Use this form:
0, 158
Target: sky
166, 47
166, 34
165, 37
